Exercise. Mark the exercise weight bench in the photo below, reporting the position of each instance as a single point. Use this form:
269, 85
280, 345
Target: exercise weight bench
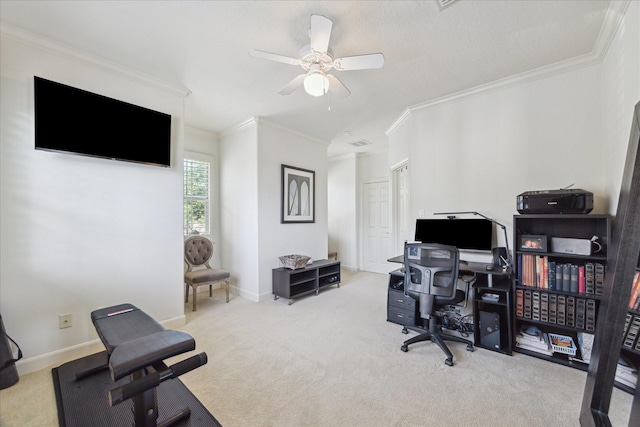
137, 346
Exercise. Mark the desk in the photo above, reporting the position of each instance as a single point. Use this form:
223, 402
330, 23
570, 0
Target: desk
484, 310
470, 267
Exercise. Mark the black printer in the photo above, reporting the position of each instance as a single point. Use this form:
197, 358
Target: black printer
569, 201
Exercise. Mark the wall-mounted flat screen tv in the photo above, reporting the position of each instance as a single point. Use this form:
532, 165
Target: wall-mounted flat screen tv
75, 121
471, 234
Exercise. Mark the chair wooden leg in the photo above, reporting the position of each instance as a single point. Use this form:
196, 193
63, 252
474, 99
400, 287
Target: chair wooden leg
186, 293
195, 292
210, 290
226, 283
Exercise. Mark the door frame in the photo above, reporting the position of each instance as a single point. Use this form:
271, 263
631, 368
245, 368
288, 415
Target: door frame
397, 240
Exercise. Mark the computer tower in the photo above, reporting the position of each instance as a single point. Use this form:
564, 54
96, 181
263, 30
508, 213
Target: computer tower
490, 329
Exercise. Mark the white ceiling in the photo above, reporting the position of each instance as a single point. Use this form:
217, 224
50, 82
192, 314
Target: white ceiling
429, 53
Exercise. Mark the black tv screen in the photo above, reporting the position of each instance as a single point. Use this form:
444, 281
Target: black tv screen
75, 121
473, 234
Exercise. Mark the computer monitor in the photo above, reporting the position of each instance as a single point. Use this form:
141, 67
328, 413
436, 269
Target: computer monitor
470, 234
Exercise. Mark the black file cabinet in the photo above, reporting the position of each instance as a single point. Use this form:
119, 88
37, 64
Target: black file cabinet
401, 309
493, 329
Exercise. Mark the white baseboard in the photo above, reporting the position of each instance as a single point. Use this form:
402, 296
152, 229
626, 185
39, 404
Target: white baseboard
58, 357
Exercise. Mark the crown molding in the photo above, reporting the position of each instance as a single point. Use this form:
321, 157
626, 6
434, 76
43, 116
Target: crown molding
610, 26
347, 156
65, 51
397, 122
263, 121
252, 121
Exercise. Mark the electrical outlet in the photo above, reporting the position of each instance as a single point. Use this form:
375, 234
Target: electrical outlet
421, 213
64, 321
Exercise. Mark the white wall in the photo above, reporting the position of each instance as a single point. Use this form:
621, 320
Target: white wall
278, 146
342, 209
239, 208
80, 233
477, 153
250, 172
620, 92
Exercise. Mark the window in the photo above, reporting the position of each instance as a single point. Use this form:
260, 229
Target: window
196, 197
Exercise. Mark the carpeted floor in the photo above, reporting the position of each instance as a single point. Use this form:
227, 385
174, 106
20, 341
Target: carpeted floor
83, 402
334, 360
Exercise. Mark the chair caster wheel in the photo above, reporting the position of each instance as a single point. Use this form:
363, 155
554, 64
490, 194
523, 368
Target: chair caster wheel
404, 348
405, 331
469, 347
448, 362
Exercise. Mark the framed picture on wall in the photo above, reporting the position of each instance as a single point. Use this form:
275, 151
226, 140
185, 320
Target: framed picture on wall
298, 195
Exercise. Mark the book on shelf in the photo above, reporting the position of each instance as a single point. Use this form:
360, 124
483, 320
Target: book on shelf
581, 283
573, 284
535, 305
566, 278
590, 315
527, 304
571, 311
634, 300
561, 306
585, 343
533, 339
581, 305
627, 322
599, 277
626, 373
538, 271
559, 276
519, 303
551, 268
544, 307
589, 278
632, 332
626, 377
553, 308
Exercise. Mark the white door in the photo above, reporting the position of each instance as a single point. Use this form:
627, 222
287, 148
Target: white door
376, 231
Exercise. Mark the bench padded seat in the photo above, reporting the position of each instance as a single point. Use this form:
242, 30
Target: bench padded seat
135, 340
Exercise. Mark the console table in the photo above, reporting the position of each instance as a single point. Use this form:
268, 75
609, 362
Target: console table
291, 284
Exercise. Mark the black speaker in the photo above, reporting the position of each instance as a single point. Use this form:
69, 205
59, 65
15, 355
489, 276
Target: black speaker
497, 253
490, 329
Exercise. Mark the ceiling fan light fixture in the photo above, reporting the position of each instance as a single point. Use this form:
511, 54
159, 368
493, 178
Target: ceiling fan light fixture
316, 83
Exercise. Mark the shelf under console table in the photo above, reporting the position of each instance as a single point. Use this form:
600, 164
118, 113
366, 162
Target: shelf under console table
292, 284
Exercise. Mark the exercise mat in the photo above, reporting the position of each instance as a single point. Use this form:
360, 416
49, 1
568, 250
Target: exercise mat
85, 402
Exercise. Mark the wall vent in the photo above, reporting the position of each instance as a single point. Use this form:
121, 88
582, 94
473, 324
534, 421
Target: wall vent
445, 3
360, 143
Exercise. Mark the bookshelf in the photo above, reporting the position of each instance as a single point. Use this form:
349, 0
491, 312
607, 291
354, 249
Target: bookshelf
630, 349
557, 293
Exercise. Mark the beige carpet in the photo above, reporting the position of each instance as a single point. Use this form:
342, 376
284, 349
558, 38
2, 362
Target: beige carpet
333, 360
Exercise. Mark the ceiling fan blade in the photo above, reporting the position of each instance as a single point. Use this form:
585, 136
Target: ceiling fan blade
360, 62
292, 85
320, 33
273, 57
336, 86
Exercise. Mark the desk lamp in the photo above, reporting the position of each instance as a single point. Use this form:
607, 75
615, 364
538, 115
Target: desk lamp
504, 229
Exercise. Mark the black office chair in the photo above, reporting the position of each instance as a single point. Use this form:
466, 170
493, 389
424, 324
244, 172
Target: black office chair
431, 276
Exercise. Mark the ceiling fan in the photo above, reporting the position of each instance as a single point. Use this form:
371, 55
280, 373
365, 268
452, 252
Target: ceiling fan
316, 59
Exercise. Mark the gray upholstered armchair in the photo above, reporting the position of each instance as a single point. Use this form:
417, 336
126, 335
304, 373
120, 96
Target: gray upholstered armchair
198, 251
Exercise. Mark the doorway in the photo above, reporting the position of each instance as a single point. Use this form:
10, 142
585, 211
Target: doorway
376, 233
